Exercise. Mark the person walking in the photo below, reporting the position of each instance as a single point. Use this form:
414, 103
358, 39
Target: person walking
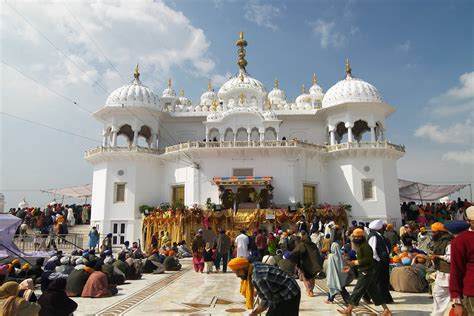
336, 278
366, 280
278, 292
198, 248
461, 282
93, 238
307, 259
242, 244
223, 244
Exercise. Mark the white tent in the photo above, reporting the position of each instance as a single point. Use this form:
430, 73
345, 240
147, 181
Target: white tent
416, 191
8, 226
82, 191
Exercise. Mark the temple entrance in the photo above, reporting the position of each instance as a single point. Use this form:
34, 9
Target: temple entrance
247, 197
244, 192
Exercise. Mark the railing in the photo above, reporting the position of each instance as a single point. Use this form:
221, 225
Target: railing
31, 242
246, 144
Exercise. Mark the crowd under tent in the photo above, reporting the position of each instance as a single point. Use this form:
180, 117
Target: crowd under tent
417, 191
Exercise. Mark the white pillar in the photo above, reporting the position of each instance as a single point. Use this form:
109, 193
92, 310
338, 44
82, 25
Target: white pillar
381, 133
278, 134
157, 138
248, 134
349, 127
332, 137
135, 137
207, 134
105, 135
153, 141
262, 135
114, 138
372, 134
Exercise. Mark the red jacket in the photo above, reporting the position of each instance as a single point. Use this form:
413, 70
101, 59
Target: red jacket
461, 281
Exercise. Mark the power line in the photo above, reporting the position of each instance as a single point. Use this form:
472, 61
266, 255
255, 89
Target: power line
95, 44
47, 126
48, 88
57, 48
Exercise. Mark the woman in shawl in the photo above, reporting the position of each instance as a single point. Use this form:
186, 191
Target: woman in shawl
54, 302
12, 305
307, 258
27, 288
336, 279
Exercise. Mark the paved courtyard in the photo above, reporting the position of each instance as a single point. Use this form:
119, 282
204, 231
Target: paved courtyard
189, 293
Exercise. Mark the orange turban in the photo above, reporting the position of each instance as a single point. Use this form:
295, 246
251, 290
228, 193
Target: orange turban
15, 262
420, 258
166, 252
396, 249
437, 227
26, 266
358, 232
171, 253
397, 259
238, 264
389, 226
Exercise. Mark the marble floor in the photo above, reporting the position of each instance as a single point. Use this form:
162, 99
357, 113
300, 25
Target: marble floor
189, 293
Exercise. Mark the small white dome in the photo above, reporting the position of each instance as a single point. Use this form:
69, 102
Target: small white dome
351, 90
208, 96
276, 95
243, 80
316, 91
303, 98
169, 91
133, 94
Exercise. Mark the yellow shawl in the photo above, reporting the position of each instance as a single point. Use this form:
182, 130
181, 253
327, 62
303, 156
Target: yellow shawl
247, 289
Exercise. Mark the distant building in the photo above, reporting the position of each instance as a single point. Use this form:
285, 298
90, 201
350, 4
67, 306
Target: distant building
324, 147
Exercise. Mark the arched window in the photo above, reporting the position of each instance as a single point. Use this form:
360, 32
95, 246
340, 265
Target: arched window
341, 133
241, 134
125, 136
229, 135
254, 134
270, 133
361, 131
144, 136
214, 135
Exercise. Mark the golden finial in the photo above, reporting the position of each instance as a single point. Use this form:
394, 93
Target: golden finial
269, 104
303, 89
209, 86
241, 76
136, 74
181, 94
241, 43
169, 83
242, 98
214, 105
275, 85
315, 79
348, 67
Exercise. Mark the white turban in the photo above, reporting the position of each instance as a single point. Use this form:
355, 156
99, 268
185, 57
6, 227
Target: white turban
470, 213
80, 261
64, 260
376, 225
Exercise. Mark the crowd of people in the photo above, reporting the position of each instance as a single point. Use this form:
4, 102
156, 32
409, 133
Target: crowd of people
435, 256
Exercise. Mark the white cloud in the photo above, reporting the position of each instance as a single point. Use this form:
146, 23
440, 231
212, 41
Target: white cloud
218, 79
262, 14
457, 100
460, 133
327, 33
404, 47
462, 157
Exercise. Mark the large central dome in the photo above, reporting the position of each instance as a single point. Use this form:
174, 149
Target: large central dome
243, 80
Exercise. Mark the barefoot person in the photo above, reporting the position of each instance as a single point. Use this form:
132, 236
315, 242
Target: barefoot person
366, 279
278, 292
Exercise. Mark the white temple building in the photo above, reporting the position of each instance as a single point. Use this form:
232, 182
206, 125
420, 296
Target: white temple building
322, 148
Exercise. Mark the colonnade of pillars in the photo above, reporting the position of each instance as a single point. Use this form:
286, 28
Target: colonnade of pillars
108, 141
261, 136
350, 136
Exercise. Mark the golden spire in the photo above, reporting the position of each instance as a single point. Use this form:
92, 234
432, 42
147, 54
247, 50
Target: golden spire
315, 79
242, 98
303, 89
269, 104
169, 83
241, 43
275, 85
348, 67
181, 94
136, 74
241, 76
209, 85
214, 105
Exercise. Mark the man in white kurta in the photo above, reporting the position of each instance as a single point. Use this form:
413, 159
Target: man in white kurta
242, 244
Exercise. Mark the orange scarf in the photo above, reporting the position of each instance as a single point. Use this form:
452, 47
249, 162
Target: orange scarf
247, 289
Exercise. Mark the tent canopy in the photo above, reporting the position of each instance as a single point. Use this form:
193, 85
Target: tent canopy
8, 226
416, 191
82, 191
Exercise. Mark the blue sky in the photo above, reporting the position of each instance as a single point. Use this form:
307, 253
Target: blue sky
419, 54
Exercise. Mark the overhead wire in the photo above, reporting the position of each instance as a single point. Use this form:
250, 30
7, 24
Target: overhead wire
55, 47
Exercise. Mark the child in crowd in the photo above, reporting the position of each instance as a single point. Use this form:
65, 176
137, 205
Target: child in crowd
208, 254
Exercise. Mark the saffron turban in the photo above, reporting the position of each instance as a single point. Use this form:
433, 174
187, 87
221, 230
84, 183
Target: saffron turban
376, 225
422, 229
437, 227
15, 262
171, 253
470, 213
389, 226
358, 232
396, 259
238, 264
26, 266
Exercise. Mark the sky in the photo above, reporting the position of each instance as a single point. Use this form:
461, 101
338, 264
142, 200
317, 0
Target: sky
60, 61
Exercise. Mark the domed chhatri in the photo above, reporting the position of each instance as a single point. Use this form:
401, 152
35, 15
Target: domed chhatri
276, 95
133, 94
315, 89
169, 92
351, 90
209, 96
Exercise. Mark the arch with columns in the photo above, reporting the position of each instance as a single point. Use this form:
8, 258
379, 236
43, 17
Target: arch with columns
361, 131
229, 135
241, 134
270, 133
214, 134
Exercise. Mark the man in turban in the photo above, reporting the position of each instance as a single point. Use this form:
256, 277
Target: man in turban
381, 254
441, 257
366, 280
461, 283
278, 292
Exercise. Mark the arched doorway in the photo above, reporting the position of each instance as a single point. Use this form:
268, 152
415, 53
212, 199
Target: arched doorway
247, 197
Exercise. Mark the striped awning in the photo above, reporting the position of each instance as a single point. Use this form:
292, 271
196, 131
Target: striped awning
243, 180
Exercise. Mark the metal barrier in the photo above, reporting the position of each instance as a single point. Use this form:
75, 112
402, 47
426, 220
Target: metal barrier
31, 242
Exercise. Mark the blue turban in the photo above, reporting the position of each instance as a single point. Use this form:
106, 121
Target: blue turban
456, 227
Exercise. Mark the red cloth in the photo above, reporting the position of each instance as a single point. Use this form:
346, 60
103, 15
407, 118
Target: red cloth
461, 281
97, 285
261, 242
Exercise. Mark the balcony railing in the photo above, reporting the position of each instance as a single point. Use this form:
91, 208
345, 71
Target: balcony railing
31, 242
247, 144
